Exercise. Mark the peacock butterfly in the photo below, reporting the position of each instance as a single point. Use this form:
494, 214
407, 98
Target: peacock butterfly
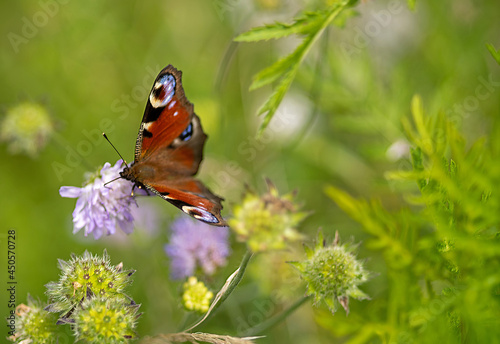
169, 149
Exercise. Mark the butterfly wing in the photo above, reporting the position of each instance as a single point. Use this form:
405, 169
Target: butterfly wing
169, 150
167, 120
192, 197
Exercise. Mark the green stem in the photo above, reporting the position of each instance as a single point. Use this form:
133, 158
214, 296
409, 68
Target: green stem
269, 323
314, 94
185, 321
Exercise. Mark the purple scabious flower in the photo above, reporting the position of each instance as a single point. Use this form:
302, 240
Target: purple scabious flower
100, 209
194, 243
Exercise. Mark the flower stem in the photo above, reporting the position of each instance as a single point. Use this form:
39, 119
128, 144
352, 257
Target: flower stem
269, 323
314, 93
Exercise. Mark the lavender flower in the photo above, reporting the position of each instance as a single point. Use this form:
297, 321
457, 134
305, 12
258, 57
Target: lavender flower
100, 209
195, 243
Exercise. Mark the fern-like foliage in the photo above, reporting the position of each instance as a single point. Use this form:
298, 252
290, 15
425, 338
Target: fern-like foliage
442, 250
310, 25
303, 24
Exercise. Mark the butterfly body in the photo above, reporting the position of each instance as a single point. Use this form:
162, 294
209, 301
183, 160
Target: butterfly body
169, 150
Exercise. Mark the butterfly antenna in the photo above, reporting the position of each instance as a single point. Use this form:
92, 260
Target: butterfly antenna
111, 181
116, 150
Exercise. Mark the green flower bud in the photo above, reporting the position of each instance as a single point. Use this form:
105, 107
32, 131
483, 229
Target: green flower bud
333, 273
105, 320
85, 277
196, 296
26, 128
267, 222
34, 324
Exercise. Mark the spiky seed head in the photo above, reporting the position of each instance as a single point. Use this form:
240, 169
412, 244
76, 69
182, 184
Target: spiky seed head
105, 320
333, 273
84, 277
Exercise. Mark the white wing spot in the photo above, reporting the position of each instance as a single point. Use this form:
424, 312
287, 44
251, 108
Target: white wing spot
171, 104
200, 214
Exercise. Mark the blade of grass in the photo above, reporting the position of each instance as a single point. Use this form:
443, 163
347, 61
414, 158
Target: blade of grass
228, 287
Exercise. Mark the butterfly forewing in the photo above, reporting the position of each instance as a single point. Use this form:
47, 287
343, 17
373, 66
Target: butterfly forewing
168, 113
169, 150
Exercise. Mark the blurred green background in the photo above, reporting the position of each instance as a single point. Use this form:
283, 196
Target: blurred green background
95, 61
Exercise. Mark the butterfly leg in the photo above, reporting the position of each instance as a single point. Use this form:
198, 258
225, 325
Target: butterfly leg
145, 189
139, 186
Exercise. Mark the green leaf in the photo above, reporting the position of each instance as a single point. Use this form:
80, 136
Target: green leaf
309, 24
306, 23
342, 19
309, 251
376, 221
495, 53
277, 70
356, 293
343, 200
272, 103
286, 68
320, 241
412, 4
403, 175
416, 159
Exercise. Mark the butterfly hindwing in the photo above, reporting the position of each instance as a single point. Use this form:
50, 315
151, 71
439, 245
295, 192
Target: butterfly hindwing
193, 198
